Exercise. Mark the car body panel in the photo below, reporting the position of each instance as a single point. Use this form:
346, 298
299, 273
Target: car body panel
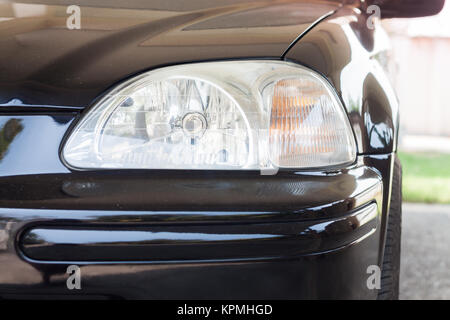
307, 218
76, 73
47, 83
62, 67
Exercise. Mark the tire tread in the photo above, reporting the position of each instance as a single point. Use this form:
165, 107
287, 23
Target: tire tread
390, 274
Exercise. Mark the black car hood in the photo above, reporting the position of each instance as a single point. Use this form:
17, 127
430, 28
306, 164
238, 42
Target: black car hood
43, 63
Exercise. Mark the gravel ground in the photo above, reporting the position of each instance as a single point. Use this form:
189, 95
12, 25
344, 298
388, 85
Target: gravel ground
425, 259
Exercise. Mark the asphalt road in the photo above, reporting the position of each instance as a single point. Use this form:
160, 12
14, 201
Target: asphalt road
425, 259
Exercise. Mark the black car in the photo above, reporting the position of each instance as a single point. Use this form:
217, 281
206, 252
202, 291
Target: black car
199, 149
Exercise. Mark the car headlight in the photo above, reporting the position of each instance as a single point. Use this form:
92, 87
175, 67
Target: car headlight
238, 115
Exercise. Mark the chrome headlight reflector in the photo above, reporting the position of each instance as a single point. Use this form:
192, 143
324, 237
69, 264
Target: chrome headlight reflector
238, 115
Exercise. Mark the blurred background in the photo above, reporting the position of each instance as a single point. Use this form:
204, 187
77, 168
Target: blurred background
420, 73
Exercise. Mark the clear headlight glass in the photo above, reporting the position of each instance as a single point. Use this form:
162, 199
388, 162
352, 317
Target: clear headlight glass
241, 115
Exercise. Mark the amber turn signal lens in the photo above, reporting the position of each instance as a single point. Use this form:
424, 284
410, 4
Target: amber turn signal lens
307, 129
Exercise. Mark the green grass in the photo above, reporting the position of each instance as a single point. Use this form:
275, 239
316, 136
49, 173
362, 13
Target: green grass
426, 177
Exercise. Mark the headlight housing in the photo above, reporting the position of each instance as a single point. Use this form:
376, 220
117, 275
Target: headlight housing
238, 115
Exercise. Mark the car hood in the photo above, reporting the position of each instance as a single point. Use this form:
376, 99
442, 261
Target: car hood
44, 63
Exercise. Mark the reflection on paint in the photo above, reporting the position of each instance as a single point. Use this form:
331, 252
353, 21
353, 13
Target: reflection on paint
8, 132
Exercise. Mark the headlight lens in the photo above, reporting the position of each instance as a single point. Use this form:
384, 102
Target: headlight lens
241, 115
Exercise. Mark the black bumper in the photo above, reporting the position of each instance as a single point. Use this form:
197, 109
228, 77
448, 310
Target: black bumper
177, 234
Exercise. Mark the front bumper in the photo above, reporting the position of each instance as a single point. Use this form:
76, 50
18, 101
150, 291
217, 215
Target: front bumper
169, 234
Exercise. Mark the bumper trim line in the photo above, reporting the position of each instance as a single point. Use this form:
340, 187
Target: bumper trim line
190, 243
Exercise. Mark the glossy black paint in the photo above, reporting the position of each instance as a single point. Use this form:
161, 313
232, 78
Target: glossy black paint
294, 208
129, 37
182, 242
74, 74
45, 88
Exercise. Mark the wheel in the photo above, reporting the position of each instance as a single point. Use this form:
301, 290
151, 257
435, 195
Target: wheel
390, 274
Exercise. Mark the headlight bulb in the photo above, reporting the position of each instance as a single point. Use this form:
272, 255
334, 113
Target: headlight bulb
194, 124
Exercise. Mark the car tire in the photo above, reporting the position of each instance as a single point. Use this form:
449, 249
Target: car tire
390, 274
